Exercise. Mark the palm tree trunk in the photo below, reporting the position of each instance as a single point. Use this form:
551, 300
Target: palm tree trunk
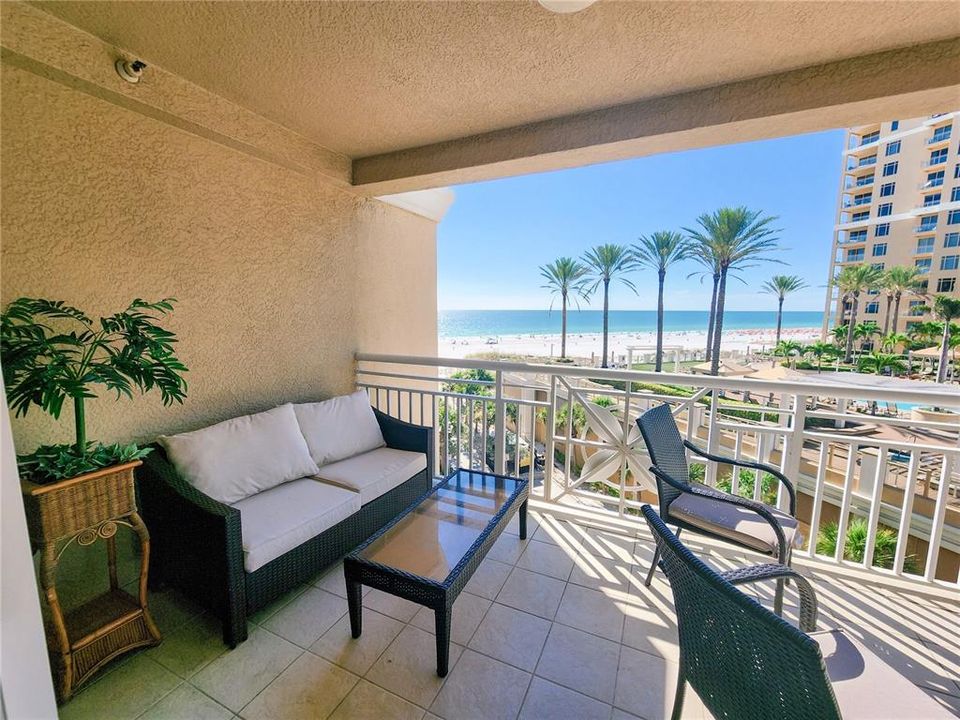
886, 320
848, 353
563, 327
713, 315
661, 277
944, 353
896, 312
779, 319
718, 323
606, 319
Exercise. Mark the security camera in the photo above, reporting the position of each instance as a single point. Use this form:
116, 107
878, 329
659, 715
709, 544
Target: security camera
130, 70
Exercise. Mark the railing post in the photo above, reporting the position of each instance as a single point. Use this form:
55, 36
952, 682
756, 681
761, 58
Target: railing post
938, 519
499, 427
794, 447
548, 441
713, 440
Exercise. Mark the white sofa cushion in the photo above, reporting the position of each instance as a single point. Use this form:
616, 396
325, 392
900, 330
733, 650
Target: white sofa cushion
375, 472
237, 458
339, 428
277, 520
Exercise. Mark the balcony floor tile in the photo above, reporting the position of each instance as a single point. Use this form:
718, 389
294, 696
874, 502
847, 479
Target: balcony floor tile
593, 643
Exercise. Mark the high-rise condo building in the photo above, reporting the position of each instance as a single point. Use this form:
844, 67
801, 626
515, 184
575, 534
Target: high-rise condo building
898, 204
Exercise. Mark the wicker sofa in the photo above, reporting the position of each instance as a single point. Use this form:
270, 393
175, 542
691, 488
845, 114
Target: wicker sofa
198, 542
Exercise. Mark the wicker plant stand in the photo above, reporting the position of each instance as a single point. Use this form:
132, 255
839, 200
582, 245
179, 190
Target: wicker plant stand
83, 510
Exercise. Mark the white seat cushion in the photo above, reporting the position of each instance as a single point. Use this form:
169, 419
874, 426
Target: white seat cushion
339, 428
237, 458
374, 473
277, 520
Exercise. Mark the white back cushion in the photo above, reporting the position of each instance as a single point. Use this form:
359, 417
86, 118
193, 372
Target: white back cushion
340, 427
243, 456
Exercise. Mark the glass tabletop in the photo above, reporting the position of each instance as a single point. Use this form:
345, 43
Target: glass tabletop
434, 536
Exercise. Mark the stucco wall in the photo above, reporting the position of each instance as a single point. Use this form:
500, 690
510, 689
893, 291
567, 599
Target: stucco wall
279, 278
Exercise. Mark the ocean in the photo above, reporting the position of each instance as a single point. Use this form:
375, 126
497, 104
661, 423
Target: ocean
476, 323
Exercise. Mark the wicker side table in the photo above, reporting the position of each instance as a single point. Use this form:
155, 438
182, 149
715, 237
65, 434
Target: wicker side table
83, 510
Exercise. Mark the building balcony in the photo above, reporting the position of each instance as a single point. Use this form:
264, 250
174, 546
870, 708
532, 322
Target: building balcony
924, 251
562, 619
930, 184
938, 140
859, 166
925, 229
866, 181
934, 163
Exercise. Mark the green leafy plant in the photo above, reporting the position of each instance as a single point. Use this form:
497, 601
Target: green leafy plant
52, 352
821, 350
746, 480
880, 363
855, 545
604, 401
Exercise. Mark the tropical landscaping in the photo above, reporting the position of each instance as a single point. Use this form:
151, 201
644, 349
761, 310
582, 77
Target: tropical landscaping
728, 241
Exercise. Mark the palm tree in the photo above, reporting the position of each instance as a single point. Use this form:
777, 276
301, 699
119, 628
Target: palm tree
786, 348
712, 269
890, 341
924, 333
851, 281
946, 309
878, 362
658, 252
565, 277
820, 350
839, 334
735, 238
864, 331
897, 281
605, 263
781, 286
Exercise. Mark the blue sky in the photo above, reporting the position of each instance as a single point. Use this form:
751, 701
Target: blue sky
497, 234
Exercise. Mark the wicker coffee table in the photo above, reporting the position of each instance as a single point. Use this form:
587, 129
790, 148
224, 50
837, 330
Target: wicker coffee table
428, 553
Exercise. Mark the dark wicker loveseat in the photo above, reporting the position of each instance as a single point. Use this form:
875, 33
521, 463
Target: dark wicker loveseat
197, 542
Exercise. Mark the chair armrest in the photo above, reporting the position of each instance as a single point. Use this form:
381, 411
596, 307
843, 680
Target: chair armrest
783, 479
759, 508
402, 435
756, 573
187, 523
159, 469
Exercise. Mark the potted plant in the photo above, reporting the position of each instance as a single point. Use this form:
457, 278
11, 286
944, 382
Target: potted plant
52, 352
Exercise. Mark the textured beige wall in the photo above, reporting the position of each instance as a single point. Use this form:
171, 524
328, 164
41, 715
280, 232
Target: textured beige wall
271, 269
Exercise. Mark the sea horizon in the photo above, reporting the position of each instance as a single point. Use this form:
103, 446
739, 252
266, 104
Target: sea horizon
492, 323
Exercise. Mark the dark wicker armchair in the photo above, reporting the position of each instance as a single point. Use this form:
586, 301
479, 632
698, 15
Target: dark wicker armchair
198, 544
706, 510
745, 663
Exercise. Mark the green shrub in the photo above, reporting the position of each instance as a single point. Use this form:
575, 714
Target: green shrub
745, 487
854, 548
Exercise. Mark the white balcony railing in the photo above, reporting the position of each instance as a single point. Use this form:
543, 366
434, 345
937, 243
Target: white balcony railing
572, 431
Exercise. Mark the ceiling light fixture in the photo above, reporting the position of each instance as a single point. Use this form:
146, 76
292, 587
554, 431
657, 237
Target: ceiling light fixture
566, 6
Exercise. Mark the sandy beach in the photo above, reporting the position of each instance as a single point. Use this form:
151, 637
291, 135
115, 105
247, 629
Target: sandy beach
586, 345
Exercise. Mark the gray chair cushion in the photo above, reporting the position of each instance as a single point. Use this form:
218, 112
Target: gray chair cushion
737, 523
866, 687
